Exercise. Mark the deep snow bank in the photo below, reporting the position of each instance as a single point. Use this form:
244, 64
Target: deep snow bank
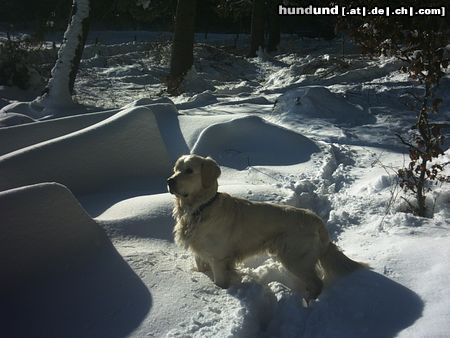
13, 119
251, 140
41, 224
319, 102
61, 277
199, 100
148, 216
126, 146
20, 136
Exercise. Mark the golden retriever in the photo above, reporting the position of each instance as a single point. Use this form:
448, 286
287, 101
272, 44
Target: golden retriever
221, 230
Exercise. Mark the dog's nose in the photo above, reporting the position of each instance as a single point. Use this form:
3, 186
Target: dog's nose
171, 185
170, 182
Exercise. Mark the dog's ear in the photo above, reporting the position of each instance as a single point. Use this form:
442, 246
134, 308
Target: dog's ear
210, 172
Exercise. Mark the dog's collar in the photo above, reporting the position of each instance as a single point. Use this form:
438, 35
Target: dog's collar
205, 205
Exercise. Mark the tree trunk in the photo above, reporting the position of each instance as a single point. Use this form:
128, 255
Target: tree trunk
182, 57
420, 195
80, 45
257, 29
58, 93
424, 131
274, 27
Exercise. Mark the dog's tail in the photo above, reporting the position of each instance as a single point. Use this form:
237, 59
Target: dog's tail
334, 263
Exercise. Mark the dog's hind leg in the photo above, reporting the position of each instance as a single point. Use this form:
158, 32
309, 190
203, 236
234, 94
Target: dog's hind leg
313, 283
303, 266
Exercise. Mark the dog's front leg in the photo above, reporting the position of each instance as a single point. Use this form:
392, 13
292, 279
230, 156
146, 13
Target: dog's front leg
202, 266
220, 272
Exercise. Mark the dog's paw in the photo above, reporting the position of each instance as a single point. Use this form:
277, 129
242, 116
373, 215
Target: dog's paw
307, 303
201, 265
203, 268
222, 284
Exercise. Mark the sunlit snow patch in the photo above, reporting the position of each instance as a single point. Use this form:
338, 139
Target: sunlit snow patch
319, 103
250, 141
199, 100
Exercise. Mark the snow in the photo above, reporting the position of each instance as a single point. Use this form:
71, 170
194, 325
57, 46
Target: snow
249, 141
55, 261
319, 102
94, 254
121, 141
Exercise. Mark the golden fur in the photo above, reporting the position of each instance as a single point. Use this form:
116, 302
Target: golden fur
221, 230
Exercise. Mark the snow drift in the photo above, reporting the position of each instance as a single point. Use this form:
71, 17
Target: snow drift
61, 277
43, 226
125, 146
21, 136
319, 102
251, 140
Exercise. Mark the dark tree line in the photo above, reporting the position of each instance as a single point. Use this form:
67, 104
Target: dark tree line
182, 54
221, 16
182, 57
265, 19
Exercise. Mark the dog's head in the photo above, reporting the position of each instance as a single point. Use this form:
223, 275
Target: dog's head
193, 174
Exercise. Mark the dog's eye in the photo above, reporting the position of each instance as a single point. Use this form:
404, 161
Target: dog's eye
188, 171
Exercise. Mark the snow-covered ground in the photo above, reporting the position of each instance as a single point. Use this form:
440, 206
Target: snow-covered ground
306, 127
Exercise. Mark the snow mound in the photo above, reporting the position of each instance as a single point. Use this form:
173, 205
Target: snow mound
365, 71
53, 226
199, 100
145, 101
3, 102
148, 216
251, 140
30, 109
243, 87
252, 100
40, 109
54, 254
194, 82
124, 147
319, 102
122, 71
14, 119
16, 137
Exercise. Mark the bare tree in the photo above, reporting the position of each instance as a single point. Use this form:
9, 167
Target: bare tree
58, 92
182, 57
257, 28
274, 26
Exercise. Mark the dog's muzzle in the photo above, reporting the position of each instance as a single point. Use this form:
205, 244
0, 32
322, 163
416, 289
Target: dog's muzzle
171, 185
